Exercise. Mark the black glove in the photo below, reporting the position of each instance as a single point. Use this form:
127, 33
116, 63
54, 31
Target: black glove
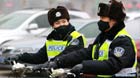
52, 64
40, 66
49, 64
77, 69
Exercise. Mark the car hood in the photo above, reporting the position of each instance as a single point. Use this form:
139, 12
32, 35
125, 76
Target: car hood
27, 42
36, 42
6, 35
3, 31
30, 45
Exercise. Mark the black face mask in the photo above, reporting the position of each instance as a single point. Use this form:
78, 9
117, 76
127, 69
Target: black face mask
62, 30
103, 25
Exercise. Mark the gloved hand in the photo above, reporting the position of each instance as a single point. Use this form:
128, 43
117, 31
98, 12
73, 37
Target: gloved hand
40, 66
77, 69
52, 64
37, 67
49, 64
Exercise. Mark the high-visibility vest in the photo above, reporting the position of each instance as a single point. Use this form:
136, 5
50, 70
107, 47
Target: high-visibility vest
104, 55
55, 47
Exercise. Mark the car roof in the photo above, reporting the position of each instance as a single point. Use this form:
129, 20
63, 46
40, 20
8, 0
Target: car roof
132, 15
81, 14
77, 23
29, 11
41, 38
82, 22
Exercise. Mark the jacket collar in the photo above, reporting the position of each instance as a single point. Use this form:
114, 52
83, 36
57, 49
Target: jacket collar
114, 30
110, 34
55, 36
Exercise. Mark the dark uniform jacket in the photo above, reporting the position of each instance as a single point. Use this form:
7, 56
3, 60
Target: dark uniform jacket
41, 56
107, 67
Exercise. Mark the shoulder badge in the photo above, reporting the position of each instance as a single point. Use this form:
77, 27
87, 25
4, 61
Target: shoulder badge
119, 51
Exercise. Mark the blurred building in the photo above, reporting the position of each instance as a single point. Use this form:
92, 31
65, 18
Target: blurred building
90, 6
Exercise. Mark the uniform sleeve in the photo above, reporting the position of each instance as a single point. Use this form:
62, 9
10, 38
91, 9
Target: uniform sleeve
69, 49
121, 55
35, 58
75, 57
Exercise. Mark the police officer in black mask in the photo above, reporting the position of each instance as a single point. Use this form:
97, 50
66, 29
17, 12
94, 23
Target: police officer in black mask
112, 54
64, 37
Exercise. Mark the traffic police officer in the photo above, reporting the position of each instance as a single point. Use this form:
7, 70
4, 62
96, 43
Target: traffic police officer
113, 53
64, 37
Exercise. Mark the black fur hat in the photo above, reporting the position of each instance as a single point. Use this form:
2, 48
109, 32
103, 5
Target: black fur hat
114, 10
117, 11
103, 9
55, 14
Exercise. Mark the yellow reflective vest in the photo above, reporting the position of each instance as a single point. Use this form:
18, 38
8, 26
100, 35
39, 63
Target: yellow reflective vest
55, 47
104, 54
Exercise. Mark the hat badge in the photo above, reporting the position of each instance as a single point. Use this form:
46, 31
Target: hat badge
58, 14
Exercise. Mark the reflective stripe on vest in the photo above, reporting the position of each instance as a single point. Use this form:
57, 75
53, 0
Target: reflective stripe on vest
54, 47
104, 51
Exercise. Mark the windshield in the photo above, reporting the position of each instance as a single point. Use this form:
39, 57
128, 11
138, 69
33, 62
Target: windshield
133, 27
78, 23
13, 20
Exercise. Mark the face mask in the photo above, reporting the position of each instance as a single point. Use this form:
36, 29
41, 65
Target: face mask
63, 30
103, 25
